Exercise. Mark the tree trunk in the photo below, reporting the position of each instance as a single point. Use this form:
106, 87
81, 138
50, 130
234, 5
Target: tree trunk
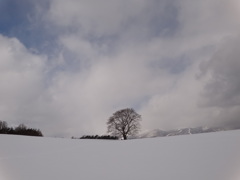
124, 136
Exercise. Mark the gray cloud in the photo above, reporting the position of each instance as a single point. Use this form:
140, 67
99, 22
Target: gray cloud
223, 88
175, 62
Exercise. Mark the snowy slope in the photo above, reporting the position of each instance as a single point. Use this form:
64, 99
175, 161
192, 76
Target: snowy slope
210, 156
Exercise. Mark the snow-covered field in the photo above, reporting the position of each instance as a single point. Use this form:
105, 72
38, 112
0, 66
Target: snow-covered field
210, 156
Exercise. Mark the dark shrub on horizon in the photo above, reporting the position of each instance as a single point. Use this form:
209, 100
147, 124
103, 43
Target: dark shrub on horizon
108, 137
19, 130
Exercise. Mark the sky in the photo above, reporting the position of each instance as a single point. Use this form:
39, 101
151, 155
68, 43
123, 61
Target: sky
67, 66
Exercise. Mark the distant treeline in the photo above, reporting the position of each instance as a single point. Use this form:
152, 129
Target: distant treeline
19, 130
98, 137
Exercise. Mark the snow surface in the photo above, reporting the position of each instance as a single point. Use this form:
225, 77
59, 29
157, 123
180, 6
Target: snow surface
210, 156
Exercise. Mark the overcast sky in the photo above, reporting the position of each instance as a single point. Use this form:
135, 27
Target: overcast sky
67, 66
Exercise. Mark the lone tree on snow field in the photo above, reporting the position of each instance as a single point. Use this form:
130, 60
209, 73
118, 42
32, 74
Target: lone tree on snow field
123, 123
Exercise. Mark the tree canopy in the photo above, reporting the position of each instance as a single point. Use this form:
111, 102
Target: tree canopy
124, 123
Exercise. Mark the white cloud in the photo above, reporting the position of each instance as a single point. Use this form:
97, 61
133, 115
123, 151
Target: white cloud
21, 79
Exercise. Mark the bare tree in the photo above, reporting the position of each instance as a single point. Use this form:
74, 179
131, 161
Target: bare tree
21, 127
3, 126
124, 123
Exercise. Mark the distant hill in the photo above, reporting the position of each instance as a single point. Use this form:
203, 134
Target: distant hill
176, 132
